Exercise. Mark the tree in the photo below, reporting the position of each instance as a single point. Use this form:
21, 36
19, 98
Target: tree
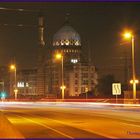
105, 85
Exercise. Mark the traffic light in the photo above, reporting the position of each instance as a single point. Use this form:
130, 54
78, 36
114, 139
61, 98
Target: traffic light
3, 94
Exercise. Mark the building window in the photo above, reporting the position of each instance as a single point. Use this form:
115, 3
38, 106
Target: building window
74, 60
93, 69
92, 82
76, 82
92, 75
83, 89
76, 89
76, 75
84, 68
84, 75
84, 82
67, 42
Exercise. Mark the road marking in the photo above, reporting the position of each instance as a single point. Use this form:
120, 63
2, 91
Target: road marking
61, 133
101, 115
131, 124
88, 130
92, 131
64, 123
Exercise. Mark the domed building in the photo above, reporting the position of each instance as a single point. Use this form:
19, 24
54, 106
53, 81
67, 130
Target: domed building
66, 36
78, 76
67, 41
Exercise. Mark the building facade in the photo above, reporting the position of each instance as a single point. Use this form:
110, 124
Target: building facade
27, 82
79, 74
82, 79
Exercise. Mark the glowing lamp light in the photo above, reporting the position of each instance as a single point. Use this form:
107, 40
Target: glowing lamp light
15, 90
12, 67
127, 35
58, 56
136, 81
63, 87
86, 89
3, 94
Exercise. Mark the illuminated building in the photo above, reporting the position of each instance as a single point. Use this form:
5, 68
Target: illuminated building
79, 73
26, 82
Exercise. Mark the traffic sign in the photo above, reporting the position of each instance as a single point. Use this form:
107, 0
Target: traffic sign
116, 88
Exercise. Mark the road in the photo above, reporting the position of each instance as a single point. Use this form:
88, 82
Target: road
73, 120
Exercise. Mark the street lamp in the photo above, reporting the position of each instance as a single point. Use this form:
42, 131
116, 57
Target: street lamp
60, 56
129, 35
13, 68
136, 81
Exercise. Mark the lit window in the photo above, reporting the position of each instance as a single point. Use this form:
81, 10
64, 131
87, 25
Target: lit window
62, 42
77, 43
70, 43
57, 43
74, 61
27, 84
67, 42
20, 84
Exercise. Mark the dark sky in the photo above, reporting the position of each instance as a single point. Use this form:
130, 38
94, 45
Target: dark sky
99, 24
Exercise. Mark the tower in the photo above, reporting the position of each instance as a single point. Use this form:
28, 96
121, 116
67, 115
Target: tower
41, 57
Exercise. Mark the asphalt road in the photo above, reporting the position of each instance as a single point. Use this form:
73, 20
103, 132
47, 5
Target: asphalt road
73, 120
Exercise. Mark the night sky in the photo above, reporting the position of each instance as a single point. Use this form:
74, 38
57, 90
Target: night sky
99, 25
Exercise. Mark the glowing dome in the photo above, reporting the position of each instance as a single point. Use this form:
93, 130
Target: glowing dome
66, 36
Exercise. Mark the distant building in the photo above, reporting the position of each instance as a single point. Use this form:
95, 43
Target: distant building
82, 78
27, 82
4, 79
80, 75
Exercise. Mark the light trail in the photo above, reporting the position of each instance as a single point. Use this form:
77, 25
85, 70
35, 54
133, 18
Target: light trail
81, 105
77, 118
69, 103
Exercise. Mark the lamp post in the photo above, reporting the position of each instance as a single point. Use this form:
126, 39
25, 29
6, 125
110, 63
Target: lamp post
129, 35
60, 56
13, 68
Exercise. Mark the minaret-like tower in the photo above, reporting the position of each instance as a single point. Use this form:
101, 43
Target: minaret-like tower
41, 57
